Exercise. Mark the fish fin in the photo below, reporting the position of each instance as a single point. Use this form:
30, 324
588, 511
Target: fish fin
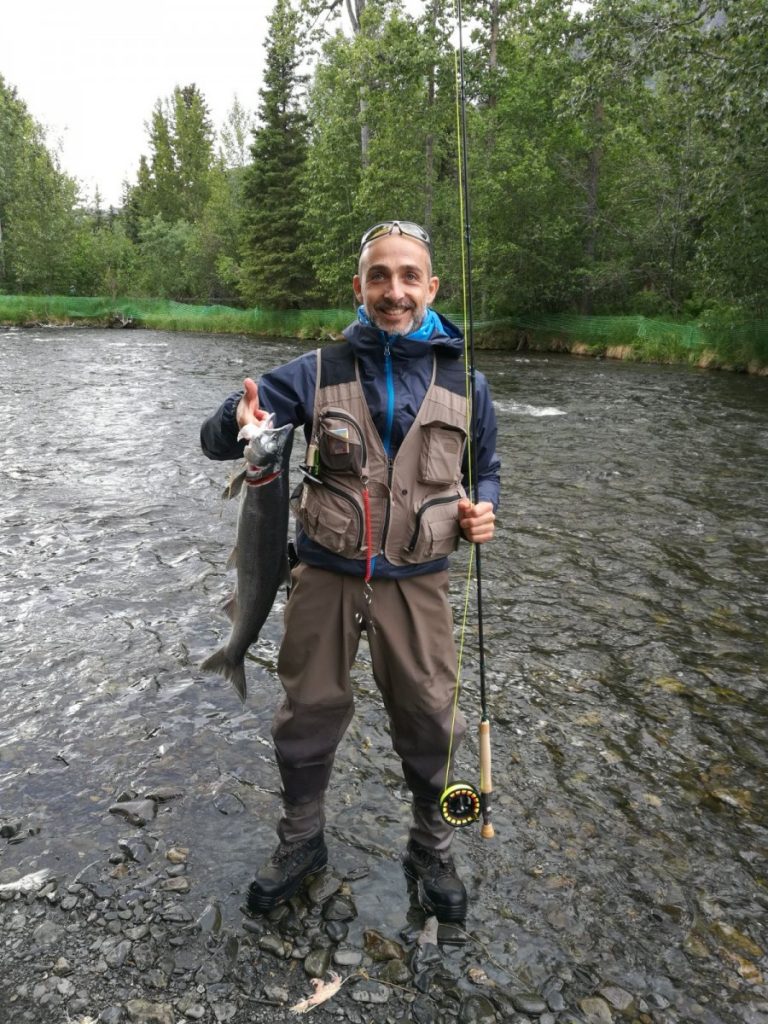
230, 607
232, 559
218, 662
234, 485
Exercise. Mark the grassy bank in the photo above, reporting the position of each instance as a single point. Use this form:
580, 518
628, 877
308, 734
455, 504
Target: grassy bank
722, 343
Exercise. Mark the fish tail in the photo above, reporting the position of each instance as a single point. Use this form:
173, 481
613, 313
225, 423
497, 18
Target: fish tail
220, 663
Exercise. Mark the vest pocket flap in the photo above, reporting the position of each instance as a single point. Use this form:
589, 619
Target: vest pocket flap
340, 442
334, 519
442, 450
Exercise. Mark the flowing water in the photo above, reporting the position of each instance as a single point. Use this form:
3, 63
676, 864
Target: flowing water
625, 619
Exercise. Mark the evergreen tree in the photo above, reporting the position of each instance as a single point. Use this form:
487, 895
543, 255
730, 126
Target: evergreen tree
275, 271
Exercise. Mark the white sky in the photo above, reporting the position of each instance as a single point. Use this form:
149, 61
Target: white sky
90, 71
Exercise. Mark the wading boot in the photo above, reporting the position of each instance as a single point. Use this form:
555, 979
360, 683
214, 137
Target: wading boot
441, 890
283, 873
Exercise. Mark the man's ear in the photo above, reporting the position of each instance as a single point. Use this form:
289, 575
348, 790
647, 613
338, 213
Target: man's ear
356, 288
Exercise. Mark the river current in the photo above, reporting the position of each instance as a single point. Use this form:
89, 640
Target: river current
625, 621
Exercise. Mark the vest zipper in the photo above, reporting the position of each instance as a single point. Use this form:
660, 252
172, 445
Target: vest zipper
419, 515
355, 507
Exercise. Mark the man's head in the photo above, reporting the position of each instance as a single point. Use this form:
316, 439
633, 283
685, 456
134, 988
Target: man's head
394, 279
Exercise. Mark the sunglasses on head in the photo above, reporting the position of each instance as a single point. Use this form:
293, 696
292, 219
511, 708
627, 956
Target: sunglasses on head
390, 227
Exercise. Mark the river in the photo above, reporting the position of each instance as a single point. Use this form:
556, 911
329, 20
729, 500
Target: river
625, 621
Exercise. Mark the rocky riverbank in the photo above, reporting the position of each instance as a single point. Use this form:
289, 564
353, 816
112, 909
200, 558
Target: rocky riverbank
123, 942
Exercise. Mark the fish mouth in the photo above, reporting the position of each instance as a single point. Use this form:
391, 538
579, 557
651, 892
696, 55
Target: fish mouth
258, 477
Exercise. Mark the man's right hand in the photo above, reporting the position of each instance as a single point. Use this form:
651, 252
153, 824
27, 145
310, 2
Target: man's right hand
248, 410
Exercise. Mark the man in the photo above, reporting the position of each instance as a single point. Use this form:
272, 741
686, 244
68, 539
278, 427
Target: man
380, 509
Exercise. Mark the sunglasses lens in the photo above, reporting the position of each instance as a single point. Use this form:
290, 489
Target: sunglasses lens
391, 227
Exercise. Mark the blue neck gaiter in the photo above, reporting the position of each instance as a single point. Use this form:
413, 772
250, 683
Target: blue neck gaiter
429, 325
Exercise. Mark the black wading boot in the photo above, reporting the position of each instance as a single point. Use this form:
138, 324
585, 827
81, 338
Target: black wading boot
441, 890
284, 872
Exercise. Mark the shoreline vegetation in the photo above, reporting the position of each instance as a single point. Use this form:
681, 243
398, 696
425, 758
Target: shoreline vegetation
713, 342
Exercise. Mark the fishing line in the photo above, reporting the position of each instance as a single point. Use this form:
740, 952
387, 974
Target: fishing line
460, 803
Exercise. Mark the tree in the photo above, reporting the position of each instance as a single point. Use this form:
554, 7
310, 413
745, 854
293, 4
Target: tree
173, 182
275, 271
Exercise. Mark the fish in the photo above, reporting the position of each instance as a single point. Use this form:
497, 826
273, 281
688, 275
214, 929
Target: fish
260, 555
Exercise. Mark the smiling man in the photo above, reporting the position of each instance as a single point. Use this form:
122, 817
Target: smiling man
381, 507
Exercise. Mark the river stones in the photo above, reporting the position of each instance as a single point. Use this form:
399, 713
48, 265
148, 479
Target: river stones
135, 812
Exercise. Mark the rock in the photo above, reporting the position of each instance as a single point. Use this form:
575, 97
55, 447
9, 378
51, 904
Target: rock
275, 945
317, 963
370, 992
141, 1011
380, 948
529, 1003
277, 993
48, 934
476, 1009
347, 957
177, 855
135, 812
323, 887
180, 885
111, 1015
117, 956
339, 908
337, 931
596, 1010
617, 997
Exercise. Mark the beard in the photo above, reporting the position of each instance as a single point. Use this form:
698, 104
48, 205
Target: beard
417, 314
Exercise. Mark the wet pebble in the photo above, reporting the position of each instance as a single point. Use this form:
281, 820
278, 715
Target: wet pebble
142, 1011
323, 887
317, 963
347, 957
337, 931
339, 908
476, 1009
135, 812
596, 1010
529, 1003
379, 947
370, 992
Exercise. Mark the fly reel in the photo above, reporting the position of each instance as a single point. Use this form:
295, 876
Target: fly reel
460, 804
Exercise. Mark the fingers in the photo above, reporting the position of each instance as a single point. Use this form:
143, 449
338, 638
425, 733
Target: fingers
477, 522
248, 410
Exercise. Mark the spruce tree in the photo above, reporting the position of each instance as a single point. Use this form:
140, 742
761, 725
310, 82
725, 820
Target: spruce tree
275, 273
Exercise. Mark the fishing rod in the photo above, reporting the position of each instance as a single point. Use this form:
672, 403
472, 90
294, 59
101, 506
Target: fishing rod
460, 803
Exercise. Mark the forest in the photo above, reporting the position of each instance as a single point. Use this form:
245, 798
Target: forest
616, 165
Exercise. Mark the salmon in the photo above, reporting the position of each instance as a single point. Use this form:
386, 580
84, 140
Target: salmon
260, 555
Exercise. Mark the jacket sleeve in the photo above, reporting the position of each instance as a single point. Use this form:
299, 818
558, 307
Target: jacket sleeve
288, 392
487, 460
218, 434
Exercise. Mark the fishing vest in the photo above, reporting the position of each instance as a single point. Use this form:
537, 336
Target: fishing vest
357, 502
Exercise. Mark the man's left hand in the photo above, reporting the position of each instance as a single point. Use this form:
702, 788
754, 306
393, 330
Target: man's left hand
477, 522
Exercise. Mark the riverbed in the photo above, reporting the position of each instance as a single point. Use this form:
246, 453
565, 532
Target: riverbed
625, 618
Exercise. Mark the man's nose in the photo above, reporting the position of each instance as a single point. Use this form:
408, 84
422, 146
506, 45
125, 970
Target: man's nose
395, 289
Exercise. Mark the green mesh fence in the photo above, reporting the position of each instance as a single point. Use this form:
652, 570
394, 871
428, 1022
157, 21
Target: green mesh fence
725, 342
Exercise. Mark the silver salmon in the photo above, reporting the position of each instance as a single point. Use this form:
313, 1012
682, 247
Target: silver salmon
260, 555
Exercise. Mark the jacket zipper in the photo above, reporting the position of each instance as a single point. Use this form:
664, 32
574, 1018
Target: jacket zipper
419, 515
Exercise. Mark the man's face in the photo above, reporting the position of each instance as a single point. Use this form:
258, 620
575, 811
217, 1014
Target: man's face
395, 283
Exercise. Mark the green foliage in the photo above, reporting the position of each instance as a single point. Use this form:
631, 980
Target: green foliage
616, 156
274, 270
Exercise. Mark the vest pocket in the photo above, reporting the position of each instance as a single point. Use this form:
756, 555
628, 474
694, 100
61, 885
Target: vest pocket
341, 443
442, 450
436, 529
333, 518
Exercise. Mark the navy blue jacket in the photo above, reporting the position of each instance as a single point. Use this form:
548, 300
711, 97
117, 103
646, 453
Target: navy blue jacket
395, 372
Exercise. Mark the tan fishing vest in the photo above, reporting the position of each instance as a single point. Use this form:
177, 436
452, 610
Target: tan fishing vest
354, 500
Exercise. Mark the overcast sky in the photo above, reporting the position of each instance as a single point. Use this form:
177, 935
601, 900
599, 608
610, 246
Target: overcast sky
90, 71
